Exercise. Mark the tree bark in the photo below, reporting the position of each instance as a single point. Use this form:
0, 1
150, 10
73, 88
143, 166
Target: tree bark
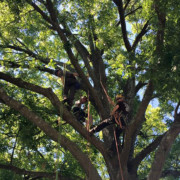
82, 158
38, 175
163, 150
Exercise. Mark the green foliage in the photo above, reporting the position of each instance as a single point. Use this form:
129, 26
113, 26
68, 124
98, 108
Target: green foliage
94, 23
9, 175
152, 128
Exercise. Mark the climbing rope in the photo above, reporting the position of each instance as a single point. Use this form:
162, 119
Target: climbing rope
118, 121
58, 147
90, 120
87, 124
108, 97
59, 124
122, 177
88, 127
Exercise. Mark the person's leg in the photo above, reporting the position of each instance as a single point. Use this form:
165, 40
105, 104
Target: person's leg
66, 90
82, 116
72, 92
68, 83
102, 125
65, 95
75, 110
79, 114
123, 123
77, 85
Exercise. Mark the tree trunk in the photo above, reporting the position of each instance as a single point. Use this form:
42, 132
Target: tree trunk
163, 150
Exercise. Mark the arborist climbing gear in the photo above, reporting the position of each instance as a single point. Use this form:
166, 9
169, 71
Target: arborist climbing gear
117, 117
119, 160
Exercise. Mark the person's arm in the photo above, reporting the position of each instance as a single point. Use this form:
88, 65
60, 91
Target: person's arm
114, 110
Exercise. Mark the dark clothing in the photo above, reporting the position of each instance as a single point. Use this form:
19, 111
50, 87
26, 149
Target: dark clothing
79, 114
120, 112
71, 86
106, 123
123, 108
119, 118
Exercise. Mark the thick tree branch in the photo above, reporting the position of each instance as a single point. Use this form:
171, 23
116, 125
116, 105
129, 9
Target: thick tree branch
123, 25
53, 134
45, 17
163, 150
176, 110
34, 174
52, 11
129, 13
134, 126
146, 151
81, 50
139, 86
143, 106
78, 45
71, 56
67, 116
161, 13
119, 4
74, 61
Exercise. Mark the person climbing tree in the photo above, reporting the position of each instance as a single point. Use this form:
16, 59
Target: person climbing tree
79, 111
71, 85
118, 117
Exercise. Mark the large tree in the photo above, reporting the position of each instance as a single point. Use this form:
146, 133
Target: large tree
124, 46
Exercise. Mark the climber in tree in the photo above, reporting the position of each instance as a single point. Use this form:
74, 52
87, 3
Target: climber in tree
71, 85
79, 111
118, 117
